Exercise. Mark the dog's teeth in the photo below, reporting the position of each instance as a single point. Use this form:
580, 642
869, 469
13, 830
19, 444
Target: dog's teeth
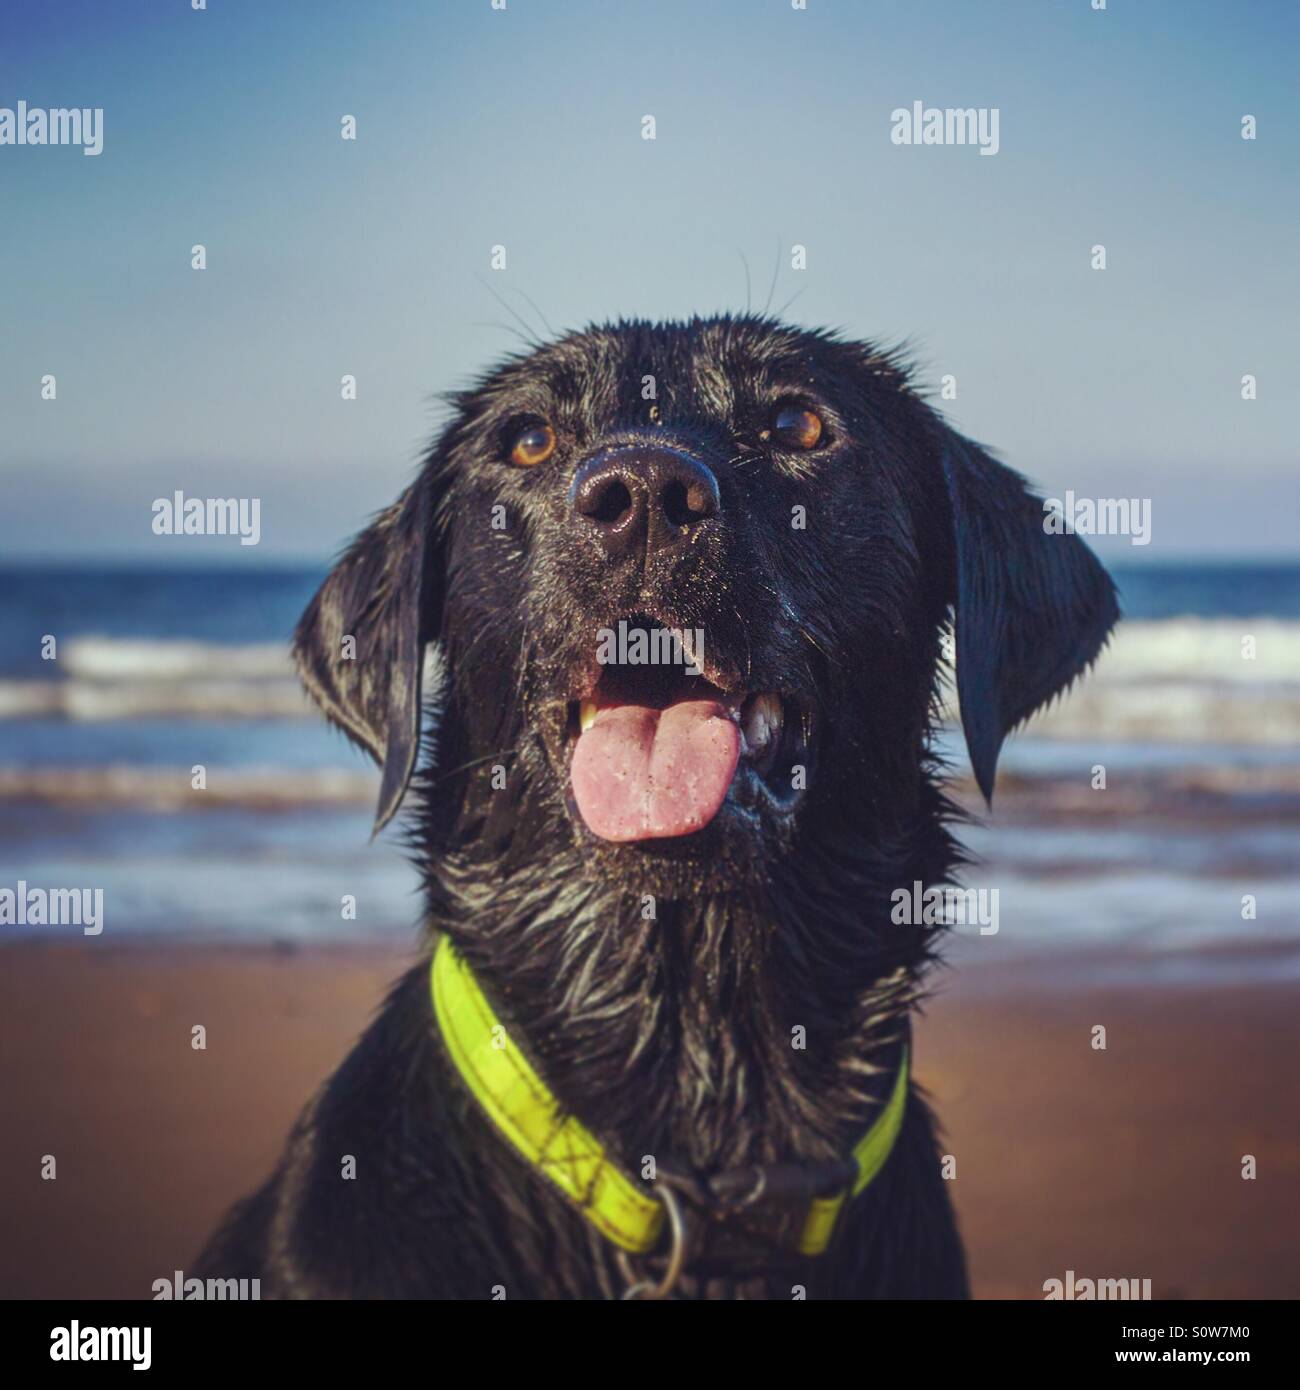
586, 715
763, 720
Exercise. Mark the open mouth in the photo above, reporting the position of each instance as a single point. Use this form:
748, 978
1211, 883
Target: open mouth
655, 752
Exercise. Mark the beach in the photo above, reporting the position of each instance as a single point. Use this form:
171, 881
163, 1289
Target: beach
1136, 872
1122, 1163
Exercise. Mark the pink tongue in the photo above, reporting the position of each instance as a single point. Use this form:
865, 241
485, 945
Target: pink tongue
646, 774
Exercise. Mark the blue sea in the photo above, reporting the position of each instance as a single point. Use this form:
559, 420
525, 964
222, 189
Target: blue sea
1193, 713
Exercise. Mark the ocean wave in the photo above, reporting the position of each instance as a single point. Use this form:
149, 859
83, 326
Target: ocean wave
170, 789
1203, 649
1175, 649
1183, 680
1171, 713
97, 701
104, 678
1232, 796
121, 659
1242, 793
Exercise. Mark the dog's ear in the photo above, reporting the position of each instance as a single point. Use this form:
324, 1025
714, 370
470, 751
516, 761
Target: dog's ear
1032, 609
359, 646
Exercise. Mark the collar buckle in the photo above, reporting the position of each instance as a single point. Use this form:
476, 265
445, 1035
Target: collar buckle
782, 1184
719, 1201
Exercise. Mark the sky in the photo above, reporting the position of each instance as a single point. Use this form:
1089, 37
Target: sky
522, 127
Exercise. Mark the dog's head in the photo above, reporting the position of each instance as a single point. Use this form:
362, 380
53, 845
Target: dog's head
689, 583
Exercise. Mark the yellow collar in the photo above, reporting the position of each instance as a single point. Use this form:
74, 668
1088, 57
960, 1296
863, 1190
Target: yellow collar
520, 1105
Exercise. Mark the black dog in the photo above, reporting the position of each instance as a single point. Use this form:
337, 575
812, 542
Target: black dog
670, 1047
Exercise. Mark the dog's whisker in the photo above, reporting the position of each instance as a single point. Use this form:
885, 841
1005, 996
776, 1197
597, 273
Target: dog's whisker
776, 270
780, 313
530, 337
497, 756
533, 306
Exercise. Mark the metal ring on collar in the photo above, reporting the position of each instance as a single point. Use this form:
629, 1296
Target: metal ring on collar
647, 1288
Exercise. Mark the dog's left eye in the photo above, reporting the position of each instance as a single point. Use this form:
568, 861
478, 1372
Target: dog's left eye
796, 426
533, 446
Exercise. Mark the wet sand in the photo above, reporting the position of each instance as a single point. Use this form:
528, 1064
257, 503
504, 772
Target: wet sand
1122, 1163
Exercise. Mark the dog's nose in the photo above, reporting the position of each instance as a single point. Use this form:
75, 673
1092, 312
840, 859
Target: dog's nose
644, 500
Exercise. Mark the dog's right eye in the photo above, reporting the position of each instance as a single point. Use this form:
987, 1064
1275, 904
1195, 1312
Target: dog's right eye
533, 446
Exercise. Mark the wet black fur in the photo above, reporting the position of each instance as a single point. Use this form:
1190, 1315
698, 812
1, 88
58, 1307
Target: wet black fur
669, 1037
